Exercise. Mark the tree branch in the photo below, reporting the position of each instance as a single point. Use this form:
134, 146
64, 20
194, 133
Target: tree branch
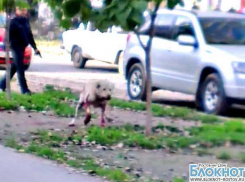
139, 39
153, 18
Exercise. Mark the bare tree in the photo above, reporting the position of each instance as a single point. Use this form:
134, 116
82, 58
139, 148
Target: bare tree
7, 48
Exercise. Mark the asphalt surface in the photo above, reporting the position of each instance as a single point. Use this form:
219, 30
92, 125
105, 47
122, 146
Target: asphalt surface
60, 69
16, 167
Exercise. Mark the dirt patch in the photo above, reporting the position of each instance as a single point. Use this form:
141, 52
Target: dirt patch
18, 121
159, 164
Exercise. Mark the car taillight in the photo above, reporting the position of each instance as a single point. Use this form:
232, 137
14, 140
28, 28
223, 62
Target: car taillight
128, 37
2, 46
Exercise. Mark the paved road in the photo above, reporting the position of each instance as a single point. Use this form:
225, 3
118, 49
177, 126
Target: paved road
61, 70
15, 167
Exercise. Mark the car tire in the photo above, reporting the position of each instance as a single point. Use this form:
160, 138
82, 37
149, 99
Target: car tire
77, 58
211, 97
136, 87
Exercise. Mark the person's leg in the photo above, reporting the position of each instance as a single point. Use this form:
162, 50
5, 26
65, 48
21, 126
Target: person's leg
19, 57
3, 80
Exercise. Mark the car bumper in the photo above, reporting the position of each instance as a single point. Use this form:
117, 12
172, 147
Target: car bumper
26, 61
236, 89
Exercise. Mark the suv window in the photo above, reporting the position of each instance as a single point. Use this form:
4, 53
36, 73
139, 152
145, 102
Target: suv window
230, 31
183, 26
163, 26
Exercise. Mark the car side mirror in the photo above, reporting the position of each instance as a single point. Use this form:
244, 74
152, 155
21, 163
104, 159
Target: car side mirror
187, 40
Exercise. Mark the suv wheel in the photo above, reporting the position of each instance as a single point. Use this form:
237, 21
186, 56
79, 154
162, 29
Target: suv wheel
212, 96
78, 60
136, 83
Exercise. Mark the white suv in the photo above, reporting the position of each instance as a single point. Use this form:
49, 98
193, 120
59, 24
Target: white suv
199, 53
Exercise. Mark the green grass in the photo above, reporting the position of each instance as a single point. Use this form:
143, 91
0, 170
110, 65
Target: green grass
210, 135
48, 100
56, 100
178, 180
11, 143
115, 135
224, 155
49, 136
202, 152
242, 157
111, 174
207, 135
219, 134
46, 143
74, 163
88, 164
46, 152
161, 111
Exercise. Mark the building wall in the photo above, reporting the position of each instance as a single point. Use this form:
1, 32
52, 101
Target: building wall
226, 5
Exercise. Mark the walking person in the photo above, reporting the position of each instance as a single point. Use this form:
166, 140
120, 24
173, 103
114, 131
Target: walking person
20, 36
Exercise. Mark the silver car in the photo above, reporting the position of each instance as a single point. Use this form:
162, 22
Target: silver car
198, 53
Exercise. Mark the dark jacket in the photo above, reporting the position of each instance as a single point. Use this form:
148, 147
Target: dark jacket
20, 34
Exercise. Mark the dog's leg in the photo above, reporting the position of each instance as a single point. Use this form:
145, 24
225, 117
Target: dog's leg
78, 108
88, 115
102, 122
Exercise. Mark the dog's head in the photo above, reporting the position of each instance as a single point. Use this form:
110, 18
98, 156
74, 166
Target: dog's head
104, 90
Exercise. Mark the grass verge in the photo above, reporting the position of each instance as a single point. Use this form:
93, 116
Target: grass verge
202, 152
178, 180
242, 157
49, 144
204, 137
56, 100
87, 164
161, 111
224, 155
48, 100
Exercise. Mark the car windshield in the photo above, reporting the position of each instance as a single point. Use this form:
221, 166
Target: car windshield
2, 21
224, 30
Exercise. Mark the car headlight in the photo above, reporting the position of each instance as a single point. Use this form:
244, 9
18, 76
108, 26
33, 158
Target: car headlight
239, 67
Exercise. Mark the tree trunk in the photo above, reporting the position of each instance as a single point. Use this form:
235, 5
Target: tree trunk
148, 71
7, 58
148, 89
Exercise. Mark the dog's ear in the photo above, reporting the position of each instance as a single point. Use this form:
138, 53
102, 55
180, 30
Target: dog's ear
98, 86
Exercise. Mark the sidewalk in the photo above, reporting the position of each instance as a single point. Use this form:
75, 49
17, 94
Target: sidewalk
15, 167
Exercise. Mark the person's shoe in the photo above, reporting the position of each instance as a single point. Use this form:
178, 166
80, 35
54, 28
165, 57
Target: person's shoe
28, 93
1, 90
